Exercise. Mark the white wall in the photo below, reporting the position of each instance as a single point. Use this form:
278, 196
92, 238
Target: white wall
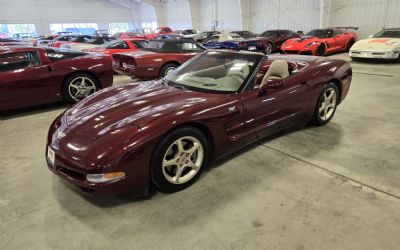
177, 14
225, 13
43, 12
286, 14
369, 15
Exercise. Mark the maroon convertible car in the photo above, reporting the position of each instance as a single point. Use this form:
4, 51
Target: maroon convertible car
32, 76
165, 131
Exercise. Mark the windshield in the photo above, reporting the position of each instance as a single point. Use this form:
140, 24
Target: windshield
216, 72
321, 33
204, 34
388, 33
112, 44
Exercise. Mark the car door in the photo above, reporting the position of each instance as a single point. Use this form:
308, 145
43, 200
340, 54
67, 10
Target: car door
340, 39
278, 108
24, 80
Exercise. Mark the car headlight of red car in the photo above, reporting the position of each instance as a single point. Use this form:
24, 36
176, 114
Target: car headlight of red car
107, 177
311, 44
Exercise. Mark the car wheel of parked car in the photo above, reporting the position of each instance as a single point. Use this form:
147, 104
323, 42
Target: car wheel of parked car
168, 69
268, 49
320, 50
79, 86
349, 44
179, 159
326, 105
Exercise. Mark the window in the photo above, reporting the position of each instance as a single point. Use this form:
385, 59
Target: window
114, 28
18, 31
139, 43
212, 39
189, 47
18, 61
76, 28
148, 26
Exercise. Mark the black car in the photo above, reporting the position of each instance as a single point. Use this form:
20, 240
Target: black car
204, 35
245, 34
280, 36
8, 40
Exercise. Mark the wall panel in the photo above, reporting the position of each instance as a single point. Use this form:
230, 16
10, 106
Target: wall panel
286, 14
369, 15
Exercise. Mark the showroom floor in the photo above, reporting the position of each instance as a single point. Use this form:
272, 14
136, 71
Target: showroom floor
331, 187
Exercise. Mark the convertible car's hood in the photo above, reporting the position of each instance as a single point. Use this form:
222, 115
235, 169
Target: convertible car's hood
129, 105
377, 44
301, 42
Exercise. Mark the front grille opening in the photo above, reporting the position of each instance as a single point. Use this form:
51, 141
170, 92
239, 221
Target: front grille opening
306, 53
71, 173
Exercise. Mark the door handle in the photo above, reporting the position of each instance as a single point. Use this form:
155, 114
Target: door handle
50, 68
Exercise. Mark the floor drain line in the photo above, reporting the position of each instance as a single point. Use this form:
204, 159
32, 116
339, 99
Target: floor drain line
332, 172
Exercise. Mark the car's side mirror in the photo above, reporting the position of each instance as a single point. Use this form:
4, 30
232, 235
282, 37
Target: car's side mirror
274, 83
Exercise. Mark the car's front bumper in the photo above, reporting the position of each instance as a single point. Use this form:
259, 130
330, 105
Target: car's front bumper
374, 54
309, 51
135, 180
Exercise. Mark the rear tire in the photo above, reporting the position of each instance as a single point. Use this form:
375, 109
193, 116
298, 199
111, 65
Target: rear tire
326, 105
349, 45
79, 86
168, 68
179, 159
268, 49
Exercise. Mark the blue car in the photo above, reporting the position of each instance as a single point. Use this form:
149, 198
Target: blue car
236, 42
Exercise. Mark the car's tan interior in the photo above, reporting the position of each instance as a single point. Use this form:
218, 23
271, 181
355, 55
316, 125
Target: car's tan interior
279, 69
227, 77
292, 67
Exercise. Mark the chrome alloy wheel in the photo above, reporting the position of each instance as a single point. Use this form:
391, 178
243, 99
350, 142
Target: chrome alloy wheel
268, 49
183, 160
81, 87
169, 70
328, 104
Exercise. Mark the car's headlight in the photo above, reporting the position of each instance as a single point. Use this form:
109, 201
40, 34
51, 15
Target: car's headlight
311, 44
101, 178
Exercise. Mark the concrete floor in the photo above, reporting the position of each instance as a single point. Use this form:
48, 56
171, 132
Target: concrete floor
331, 187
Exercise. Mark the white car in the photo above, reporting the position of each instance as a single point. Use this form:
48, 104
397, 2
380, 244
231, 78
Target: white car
189, 33
383, 45
88, 44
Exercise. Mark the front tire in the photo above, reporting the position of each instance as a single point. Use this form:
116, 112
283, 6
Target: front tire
320, 50
326, 105
179, 159
168, 68
79, 86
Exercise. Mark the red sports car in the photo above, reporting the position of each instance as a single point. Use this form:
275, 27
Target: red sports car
157, 58
120, 45
321, 42
31, 76
158, 31
166, 131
